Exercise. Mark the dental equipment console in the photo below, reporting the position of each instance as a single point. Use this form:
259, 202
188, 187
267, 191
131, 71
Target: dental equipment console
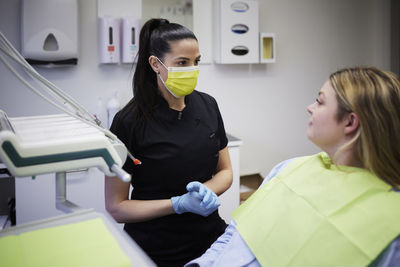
53, 143
56, 143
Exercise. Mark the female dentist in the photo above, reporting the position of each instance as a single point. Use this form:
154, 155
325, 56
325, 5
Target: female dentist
179, 136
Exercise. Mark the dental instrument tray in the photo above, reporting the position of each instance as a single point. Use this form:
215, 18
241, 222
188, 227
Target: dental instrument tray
54, 143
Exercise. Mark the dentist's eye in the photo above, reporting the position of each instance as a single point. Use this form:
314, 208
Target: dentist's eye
318, 101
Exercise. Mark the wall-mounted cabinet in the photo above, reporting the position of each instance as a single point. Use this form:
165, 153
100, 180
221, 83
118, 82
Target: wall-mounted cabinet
236, 31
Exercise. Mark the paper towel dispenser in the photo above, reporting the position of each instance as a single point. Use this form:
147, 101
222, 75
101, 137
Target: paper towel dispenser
50, 32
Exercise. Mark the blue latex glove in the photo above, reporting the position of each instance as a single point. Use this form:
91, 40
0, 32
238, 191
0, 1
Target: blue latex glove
209, 198
199, 200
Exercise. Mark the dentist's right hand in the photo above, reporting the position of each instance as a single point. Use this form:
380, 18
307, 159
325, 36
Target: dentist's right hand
200, 200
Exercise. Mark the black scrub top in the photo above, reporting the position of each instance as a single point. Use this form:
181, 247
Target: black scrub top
175, 147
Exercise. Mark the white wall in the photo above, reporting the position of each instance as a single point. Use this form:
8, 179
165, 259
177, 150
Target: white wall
264, 105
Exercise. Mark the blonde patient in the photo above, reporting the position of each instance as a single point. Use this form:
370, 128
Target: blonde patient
339, 207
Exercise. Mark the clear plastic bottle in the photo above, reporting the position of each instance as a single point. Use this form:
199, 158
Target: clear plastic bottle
113, 107
101, 112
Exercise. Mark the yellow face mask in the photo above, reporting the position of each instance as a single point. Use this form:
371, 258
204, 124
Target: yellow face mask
181, 81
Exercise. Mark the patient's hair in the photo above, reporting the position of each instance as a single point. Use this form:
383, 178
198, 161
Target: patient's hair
374, 95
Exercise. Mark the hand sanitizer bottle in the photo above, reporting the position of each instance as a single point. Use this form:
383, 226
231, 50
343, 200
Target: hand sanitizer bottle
113, 107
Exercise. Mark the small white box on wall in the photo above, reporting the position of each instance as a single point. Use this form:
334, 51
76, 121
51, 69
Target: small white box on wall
130, 39
236, 31
109, 39
50, 31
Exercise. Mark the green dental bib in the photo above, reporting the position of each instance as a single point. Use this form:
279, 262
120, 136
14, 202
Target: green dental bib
314, 213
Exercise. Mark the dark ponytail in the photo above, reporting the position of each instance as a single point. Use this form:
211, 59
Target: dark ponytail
155, 36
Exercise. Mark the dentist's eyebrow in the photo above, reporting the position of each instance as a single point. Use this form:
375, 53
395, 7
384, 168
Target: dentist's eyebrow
186, 58
181, 58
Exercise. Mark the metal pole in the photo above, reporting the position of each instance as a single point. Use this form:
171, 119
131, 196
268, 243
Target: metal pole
61, 194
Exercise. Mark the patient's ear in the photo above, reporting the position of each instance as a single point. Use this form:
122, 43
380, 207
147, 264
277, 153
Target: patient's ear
352, 123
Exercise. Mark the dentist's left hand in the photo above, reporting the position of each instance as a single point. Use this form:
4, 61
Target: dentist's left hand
200, 200
209, 198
